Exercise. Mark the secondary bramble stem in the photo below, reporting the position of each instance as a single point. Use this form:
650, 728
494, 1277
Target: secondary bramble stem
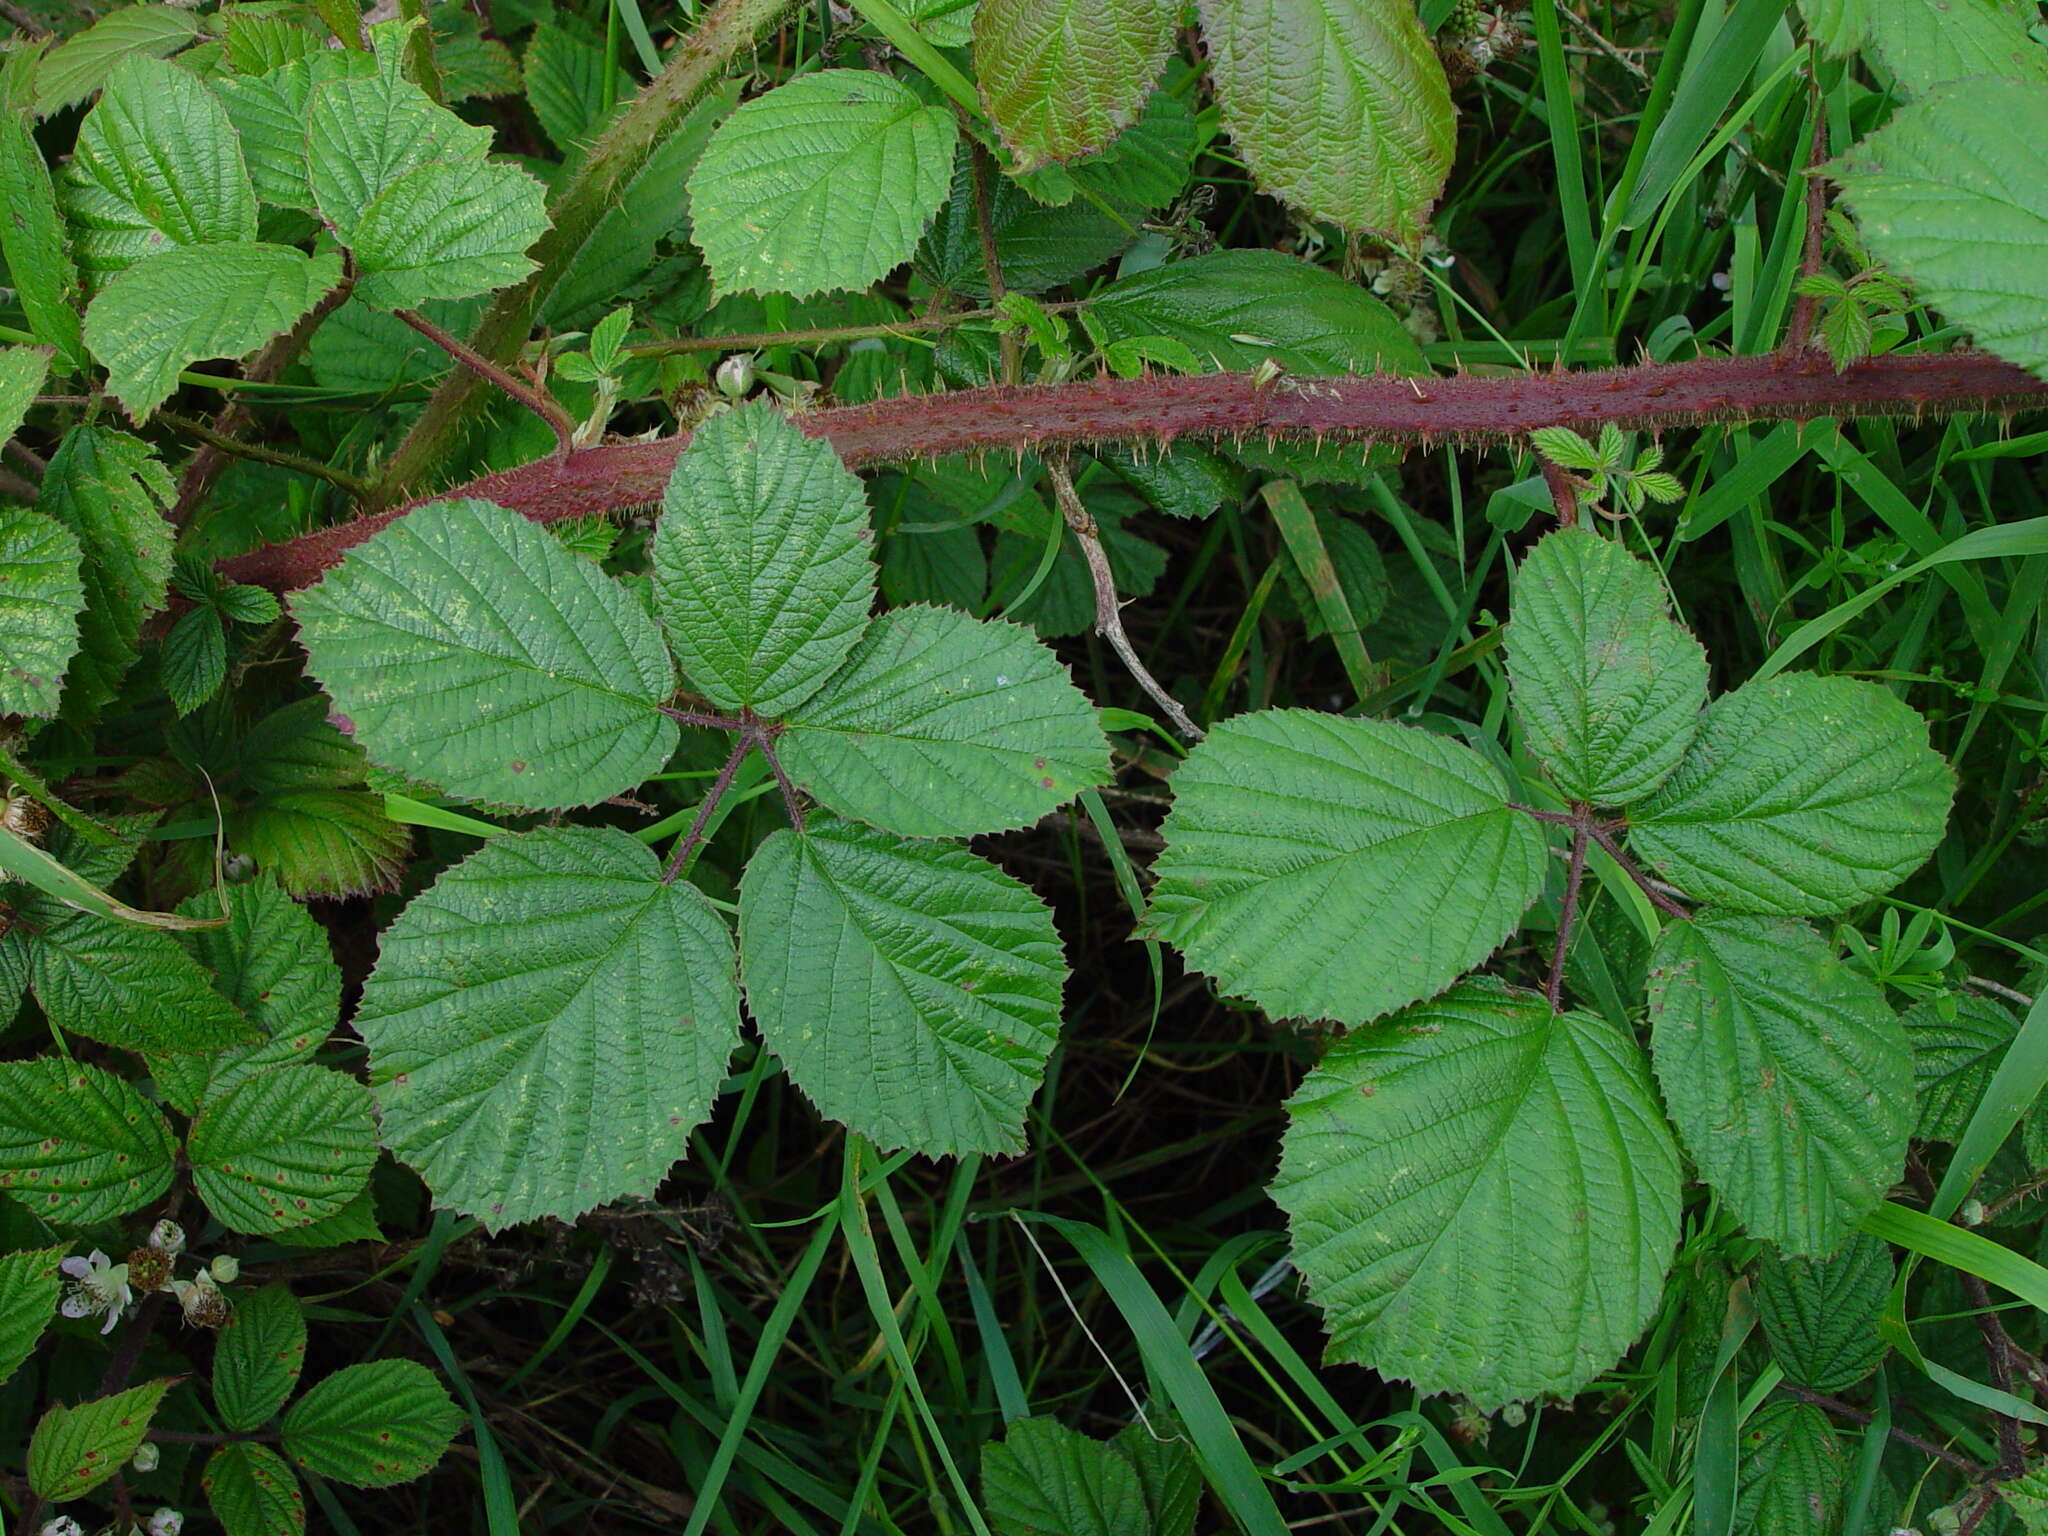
538, 401
1109, 621
1567, 915
681, 858
1605, 838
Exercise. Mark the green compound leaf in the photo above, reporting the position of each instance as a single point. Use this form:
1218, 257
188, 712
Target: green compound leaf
1954, 1059
1794, 1473
363, 133
1235, 309
1169, 1475
41, 597
1338, 869
282, 1148
109, 490
372, 1425
762, 561
470, 650
1607, 685
77, 1144
565, 84
355, 1222
74, 1450
548, 1024
22, 371
196, 302
253, 1492
30, 1284
1926, 43
943, 23
1800, 796
77, 67
1339, 107
1483, 1196
911, 989
161, 147
272, 961
1043, 1479
826, 182
1950, 197
1061, 78
2027, 1497
446, 232
269, 112
256, 42
257, 1357
942, 725
323, 842
194, 660
127, 985
32, 239
1788, 1078
1821, 1315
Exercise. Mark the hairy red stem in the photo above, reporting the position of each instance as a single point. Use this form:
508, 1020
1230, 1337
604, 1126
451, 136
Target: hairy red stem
1468, 408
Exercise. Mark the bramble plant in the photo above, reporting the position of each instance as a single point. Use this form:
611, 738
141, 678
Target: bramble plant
674, 679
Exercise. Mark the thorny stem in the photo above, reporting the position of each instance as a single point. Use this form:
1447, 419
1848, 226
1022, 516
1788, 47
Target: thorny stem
825, 335
1012, 349
23, 19
1998, 1350
1855, 1415
1109, 622
539, 402
1998, 1345
705, 722
1564, 495
26, 456
1613, 849
1553, 988
764, 737
1805, 304
221, 443
680, 859
1470, 408
21, 490
1986, 1502
1554, 818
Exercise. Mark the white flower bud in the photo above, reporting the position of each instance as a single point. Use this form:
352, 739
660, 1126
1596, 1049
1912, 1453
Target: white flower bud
63, 1525
165, 1522
225, 1269
735, 376
169, 1236
146, 1457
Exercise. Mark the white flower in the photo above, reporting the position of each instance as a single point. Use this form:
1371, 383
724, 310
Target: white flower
63, 1525
100, 1288
165, 1522
169, 1236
